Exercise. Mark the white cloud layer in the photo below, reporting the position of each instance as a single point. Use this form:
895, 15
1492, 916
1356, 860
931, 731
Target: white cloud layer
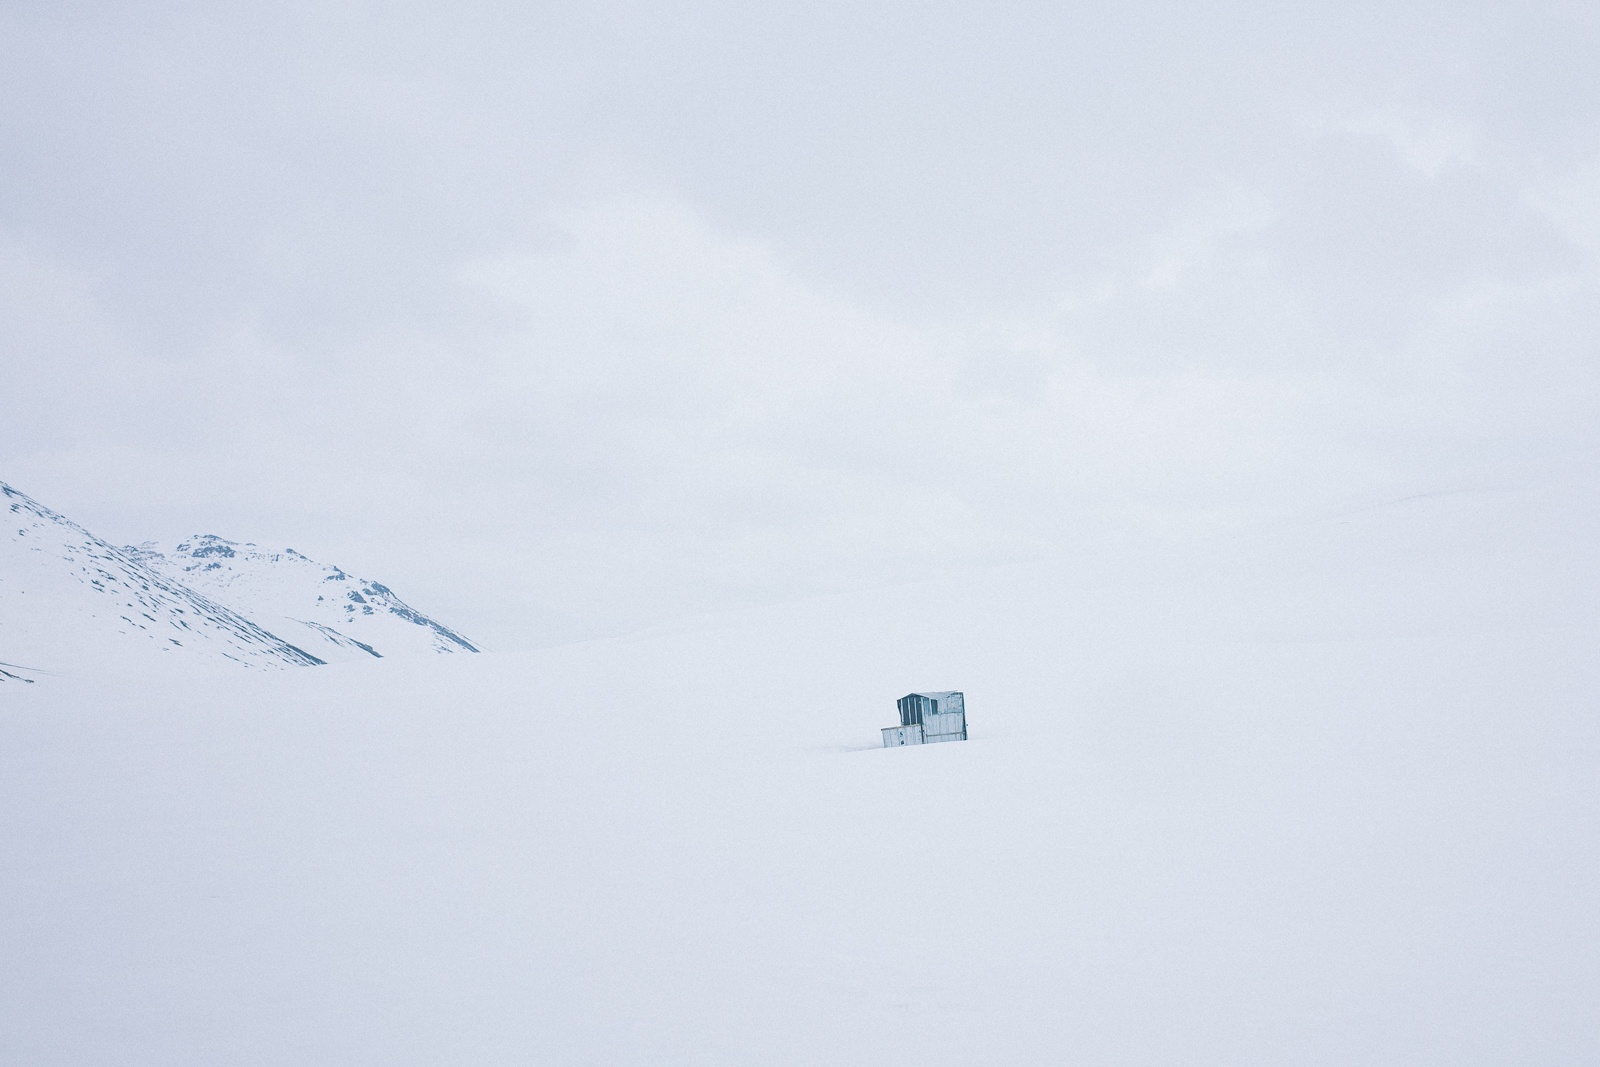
567, 321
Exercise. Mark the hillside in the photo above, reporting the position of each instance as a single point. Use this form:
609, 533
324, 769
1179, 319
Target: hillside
70, 601
335, 615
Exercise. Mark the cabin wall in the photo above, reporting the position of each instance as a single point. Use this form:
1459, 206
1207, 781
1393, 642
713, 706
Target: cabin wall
895, 736
945, 726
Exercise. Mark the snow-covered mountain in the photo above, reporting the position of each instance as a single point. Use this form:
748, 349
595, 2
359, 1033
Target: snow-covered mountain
319, 607
71, 601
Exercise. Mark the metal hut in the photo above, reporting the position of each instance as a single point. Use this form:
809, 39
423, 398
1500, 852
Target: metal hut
928, 717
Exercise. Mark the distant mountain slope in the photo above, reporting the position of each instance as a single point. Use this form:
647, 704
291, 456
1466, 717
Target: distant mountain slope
70, 600
336, 615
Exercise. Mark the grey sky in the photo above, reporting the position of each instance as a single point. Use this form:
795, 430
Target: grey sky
564, 317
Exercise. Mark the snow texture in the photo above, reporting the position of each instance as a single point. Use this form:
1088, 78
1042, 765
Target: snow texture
1322, 794
68, 600
338, 616
71, 602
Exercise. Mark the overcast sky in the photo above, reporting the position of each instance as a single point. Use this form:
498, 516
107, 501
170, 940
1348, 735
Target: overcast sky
562, 318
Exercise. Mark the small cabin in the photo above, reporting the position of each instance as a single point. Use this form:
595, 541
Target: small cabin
928, 717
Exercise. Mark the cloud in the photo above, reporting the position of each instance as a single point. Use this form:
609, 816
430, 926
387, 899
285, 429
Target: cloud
568, 320
1425, 143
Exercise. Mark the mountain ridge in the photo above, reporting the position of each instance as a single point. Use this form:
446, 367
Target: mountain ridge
70, 600
340, 615
87, 590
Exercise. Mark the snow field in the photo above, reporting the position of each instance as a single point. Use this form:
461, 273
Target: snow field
1293, 801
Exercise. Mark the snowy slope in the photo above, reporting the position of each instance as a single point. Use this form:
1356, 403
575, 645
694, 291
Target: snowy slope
321, 608
1321, 797
70, 601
